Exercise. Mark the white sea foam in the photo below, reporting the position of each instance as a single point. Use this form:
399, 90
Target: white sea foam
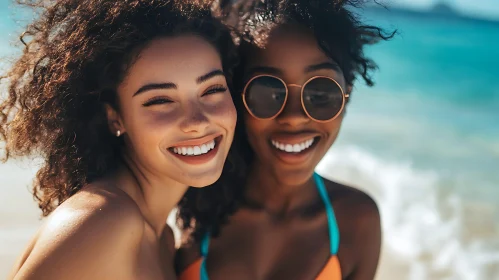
439, 234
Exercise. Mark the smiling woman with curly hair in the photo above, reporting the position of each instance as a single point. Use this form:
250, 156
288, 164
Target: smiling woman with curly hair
128, 103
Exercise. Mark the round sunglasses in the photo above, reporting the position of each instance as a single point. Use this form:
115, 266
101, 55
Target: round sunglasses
322, 98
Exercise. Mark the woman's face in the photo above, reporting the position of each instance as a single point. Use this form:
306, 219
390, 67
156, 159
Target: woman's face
293, 55
175, 111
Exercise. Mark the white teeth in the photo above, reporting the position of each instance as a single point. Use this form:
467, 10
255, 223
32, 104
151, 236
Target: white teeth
295, 148
204, 149
195, 150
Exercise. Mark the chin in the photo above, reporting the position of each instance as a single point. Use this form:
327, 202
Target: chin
204, 179
293, 177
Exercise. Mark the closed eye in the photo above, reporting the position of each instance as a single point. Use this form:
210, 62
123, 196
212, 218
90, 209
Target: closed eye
157, 101
215, 89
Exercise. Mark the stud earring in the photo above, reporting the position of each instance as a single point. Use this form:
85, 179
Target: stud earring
118, 133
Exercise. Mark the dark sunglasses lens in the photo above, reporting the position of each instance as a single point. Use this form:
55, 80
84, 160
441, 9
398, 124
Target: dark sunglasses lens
322, 98
265, 96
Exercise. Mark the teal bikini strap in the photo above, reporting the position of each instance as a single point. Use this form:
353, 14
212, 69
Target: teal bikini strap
334, 235
205, 244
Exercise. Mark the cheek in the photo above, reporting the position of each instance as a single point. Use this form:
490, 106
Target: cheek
223, 113
255, 129
146, 129
333, 128
252, 125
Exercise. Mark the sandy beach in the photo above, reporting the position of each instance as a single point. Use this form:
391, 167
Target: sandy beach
19, 214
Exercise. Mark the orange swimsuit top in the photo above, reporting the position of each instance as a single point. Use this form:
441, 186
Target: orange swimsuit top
331, 271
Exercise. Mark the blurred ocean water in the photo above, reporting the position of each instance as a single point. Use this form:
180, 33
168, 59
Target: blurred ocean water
425, 143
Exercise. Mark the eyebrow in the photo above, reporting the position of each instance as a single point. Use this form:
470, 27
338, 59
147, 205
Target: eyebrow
265, 70
322, 66
210, 75
155, 86
199, 80
275, 71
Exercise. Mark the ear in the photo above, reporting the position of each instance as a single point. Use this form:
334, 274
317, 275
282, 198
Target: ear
114, 121
348, 92
349, 89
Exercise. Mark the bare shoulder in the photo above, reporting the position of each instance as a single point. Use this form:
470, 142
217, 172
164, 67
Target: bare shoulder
360, 207
359, 223
88, 235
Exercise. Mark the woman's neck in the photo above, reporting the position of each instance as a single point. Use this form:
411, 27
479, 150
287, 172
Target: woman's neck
264, 189
155, 196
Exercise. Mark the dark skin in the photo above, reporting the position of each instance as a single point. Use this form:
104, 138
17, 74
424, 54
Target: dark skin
282, 230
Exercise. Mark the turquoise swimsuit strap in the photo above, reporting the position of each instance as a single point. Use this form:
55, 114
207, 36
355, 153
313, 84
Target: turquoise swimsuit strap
334, 234
205, 244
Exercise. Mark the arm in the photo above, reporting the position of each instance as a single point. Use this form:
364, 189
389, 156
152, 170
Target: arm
368, 240
95, 241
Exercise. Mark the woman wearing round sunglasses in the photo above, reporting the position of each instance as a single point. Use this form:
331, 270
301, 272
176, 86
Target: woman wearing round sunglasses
291, 223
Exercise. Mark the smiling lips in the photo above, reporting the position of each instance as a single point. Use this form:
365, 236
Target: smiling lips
293, 148
197, 151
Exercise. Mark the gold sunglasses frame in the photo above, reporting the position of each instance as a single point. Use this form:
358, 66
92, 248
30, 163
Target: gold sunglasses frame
343, 94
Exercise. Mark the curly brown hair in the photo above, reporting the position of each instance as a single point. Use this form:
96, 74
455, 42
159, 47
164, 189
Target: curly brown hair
341, 36
75, 55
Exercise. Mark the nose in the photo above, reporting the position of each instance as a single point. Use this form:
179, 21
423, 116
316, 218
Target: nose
194, 119
293, 113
